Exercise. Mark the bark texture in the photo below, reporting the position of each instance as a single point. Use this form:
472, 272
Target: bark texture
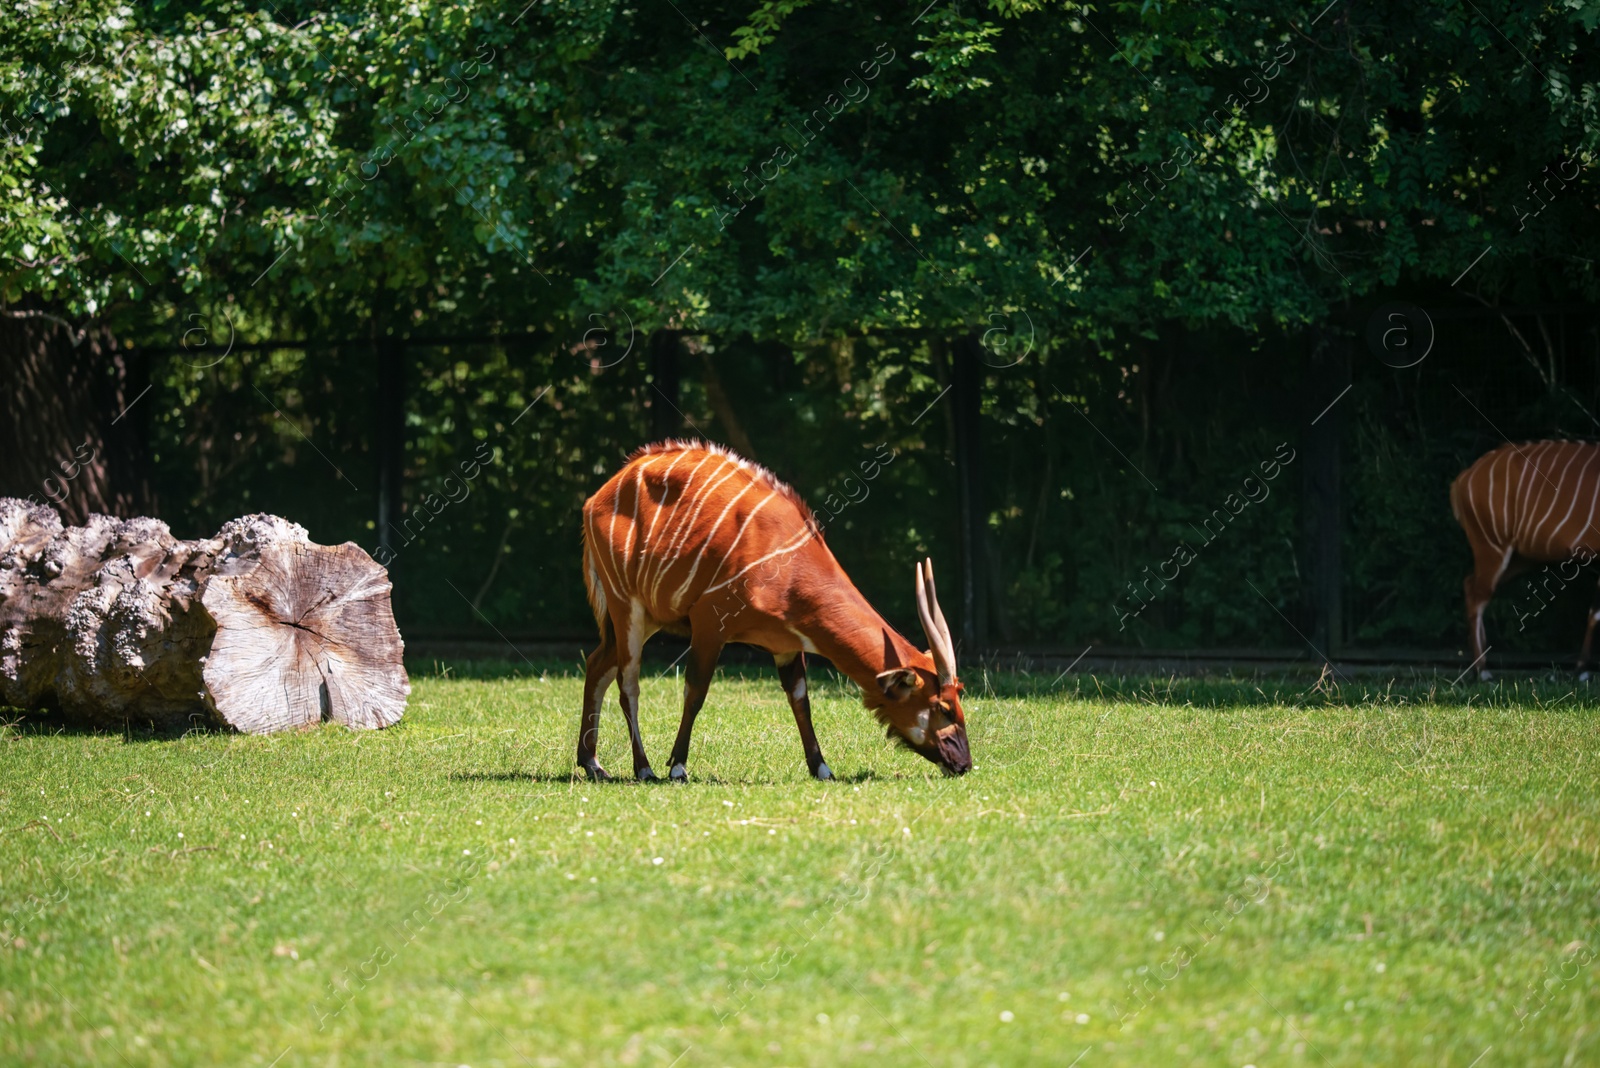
117, 622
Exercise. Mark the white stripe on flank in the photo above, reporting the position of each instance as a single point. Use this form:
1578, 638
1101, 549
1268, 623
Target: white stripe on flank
1494, 528
1588, 522
803, 537
1488, 514
667, 533
633, 520
1549, 455
1558, 494
675, 532
1528, 488
1472, 504
1514, 505
1555, 534
1529, 465
739, 536
611, 537
646, 545
688, 527
712, 533
1555, 498
594, 527
1504, 514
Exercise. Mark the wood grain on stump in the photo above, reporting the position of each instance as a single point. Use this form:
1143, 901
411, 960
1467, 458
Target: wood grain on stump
257, 628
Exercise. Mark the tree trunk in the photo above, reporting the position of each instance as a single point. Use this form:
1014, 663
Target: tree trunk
118, 622
70, 417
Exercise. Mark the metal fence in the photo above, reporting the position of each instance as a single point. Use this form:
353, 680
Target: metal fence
1057, 490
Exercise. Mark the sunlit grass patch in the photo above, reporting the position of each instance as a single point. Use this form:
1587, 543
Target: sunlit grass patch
1225, 872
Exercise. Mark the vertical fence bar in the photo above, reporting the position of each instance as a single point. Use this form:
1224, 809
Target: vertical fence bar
665, 348
390, 436
966, 400
1327, 376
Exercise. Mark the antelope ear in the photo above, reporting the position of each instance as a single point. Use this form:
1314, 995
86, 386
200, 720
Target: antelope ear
898, 683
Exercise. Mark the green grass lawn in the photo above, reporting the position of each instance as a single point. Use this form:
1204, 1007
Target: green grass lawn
1136, 873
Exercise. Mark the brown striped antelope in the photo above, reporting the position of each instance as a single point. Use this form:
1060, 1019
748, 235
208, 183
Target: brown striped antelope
690, 539
1524, 505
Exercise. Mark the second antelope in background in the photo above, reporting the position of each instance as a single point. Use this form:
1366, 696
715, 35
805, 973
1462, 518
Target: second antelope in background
1524, 505
693, 540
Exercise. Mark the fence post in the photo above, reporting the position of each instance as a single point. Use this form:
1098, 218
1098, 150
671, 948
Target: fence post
966, 401
1328, 375
664, 348
390, 437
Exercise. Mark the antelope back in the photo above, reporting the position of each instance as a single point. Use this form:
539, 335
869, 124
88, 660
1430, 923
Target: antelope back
685, 519
1538, 498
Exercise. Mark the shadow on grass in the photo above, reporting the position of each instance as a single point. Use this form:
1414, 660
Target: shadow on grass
1333, 689
492, 670
661, 657
18, 723
512, 776
625, 780
1214, 686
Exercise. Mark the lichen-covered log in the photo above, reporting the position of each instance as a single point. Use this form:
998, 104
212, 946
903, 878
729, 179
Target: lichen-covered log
118, 622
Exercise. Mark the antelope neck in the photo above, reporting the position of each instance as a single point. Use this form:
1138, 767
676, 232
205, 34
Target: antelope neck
859, 642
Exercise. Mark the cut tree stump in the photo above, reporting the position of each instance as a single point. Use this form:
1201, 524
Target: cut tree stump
118, 622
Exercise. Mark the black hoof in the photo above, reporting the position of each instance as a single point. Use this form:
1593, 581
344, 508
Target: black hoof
823, 773
644, 774
679, 773
596, 773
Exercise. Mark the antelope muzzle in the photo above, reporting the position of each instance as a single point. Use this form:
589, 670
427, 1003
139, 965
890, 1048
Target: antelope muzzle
953, 755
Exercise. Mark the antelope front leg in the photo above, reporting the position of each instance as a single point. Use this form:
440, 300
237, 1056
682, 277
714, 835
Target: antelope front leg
705, 646
792, 673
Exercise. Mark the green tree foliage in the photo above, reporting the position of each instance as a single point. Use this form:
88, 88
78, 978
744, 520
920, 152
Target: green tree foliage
828, 169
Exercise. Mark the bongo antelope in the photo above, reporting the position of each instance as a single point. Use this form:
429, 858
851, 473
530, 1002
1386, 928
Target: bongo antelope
1524, 505
693, 540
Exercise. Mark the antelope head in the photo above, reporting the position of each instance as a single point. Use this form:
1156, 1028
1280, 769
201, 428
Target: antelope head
922, 706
